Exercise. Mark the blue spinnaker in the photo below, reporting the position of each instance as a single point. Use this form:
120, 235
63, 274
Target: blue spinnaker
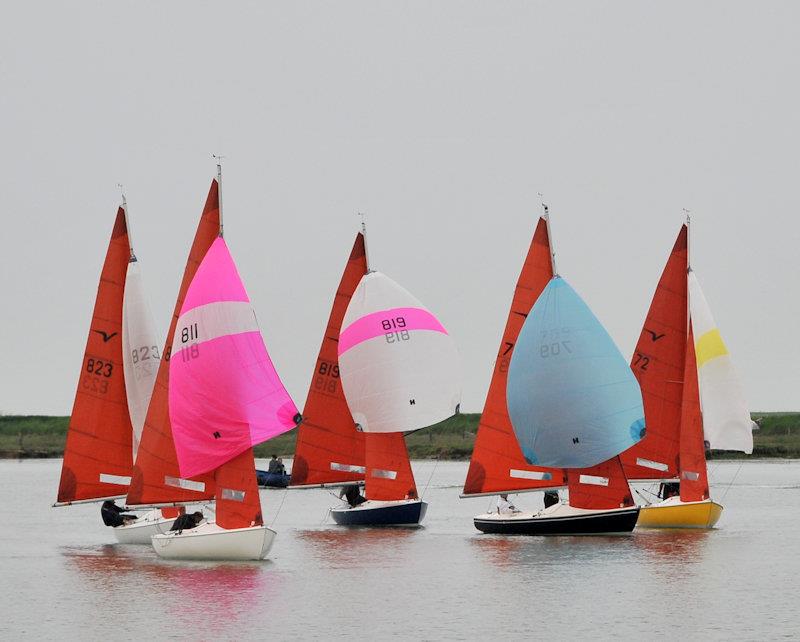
572, 398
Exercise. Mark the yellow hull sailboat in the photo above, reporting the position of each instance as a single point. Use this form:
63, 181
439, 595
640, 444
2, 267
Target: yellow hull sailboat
674, 513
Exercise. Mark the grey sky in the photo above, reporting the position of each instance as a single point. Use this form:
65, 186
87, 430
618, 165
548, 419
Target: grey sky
442, 121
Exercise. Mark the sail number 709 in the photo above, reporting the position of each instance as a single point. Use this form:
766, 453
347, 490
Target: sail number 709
554, 349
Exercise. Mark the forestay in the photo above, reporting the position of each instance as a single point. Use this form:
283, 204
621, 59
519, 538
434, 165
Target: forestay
224, 393
399, 366
726, 419
140, 355
572, 399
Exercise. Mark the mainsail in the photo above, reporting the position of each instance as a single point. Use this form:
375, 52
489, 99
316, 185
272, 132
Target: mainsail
329, 448
572, 399
726, 419
98, 452
224, 393
156, 478
497, 464
658, 363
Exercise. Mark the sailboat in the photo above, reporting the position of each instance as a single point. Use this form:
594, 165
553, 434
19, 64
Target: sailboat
692, 397
330, 449
223, 397
399, 371
561, 406
117, 375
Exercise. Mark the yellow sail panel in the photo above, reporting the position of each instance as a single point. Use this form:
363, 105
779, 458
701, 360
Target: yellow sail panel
709, 346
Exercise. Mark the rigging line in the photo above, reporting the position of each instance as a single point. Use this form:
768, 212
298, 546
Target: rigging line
430, 478
277, 512
735, 475
325, 519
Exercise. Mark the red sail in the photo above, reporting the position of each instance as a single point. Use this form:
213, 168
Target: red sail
497, 464
658, 364
99, 439
238, 503
329, 448
389, 473
693, 470
600, 487
156, 479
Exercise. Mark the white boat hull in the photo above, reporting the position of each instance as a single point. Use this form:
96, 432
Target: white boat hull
211, 542
140, 531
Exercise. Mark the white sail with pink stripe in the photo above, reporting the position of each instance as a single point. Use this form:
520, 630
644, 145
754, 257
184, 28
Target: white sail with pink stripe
399, 366
224, 393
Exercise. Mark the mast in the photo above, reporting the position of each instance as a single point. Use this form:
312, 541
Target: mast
124, 207
219, 190
546, 217
364, 233
688, 238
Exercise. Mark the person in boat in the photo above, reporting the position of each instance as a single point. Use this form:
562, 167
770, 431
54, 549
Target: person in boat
550, 498
670, 489
115, 516
505, 506
187, 521
274, 466
352, 496
281, 467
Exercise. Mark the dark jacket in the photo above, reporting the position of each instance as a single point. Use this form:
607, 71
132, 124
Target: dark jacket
112, 514
184, 522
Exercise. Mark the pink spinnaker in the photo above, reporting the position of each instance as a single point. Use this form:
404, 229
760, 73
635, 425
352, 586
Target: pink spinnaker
224, 393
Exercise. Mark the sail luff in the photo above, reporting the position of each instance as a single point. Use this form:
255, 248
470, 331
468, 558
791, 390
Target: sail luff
156, 478
97, 455
497, 464
329, 449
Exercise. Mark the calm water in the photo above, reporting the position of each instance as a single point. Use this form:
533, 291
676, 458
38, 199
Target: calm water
62, 577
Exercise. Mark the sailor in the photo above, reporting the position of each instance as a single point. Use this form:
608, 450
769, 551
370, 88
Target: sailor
281, 467
550, 498
352, 495
187, 521
505, 506
114, 516
274, 466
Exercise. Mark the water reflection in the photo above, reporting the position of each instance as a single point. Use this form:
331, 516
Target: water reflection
687, 545
218, 594
362, 547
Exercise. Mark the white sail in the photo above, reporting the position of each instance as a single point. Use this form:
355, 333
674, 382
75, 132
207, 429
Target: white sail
399, 366
726, 418
141, 351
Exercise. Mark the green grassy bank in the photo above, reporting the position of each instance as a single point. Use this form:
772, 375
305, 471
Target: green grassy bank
40, 436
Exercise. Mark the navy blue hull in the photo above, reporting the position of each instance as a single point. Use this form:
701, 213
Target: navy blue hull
272, 480
391, 515
616, 522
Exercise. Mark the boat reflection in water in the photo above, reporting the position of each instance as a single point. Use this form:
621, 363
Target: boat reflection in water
360, 547
220, 595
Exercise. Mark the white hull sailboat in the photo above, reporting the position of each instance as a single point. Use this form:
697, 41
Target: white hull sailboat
211, 542
140, 531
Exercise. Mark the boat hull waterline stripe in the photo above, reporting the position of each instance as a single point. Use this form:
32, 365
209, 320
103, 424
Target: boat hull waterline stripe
386, 322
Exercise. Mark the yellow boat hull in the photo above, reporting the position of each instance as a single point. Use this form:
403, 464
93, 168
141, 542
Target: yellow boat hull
671, 514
